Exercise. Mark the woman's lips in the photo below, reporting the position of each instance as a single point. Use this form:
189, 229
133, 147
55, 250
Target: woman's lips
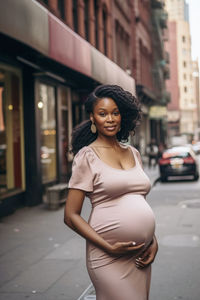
110, 128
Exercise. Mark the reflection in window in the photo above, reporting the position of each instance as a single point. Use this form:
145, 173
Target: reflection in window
46, 107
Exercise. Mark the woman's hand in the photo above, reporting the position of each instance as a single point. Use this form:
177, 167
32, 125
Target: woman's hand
147, 257
123, 248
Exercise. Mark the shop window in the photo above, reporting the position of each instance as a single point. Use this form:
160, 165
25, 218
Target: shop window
47, 111
11, 133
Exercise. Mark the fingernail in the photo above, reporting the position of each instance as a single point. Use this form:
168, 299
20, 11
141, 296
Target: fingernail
134, 243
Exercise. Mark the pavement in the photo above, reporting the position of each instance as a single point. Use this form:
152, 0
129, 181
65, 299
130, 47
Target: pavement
41, 258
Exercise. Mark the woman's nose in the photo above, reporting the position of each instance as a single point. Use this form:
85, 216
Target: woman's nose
109, 118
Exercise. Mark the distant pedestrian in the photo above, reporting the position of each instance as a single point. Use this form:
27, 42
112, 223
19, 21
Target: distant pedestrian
121, 244
152, 152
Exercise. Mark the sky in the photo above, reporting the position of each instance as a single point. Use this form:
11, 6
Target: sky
194, 16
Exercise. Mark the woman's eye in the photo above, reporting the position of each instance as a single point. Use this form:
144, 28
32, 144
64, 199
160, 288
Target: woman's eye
116, 113
102, 114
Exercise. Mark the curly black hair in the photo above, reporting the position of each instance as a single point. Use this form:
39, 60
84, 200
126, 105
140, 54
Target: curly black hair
129, 108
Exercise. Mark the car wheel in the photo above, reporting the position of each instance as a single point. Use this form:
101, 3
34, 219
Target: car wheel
196, 177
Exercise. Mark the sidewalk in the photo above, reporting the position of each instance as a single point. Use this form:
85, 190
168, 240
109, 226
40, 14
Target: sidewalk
41, 258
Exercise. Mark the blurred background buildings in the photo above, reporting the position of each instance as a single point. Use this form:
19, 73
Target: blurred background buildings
183, 110
54, 52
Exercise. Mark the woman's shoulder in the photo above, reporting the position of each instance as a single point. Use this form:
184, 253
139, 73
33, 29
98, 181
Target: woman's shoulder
84, 153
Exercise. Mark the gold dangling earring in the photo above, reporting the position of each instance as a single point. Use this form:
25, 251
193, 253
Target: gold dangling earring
93, 128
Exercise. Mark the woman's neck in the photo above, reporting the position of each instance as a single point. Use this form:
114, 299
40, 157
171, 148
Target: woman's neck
110, 142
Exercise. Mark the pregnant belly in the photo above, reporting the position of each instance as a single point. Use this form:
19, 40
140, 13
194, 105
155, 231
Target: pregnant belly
129, 218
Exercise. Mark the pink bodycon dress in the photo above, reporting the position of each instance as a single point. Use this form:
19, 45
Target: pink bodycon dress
119, 213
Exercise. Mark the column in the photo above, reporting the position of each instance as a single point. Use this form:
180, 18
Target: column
69, 13
81, 27
109, 35
91, 23
53, 5
100, 27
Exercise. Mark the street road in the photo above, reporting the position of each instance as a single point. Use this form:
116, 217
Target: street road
40, 258
176, 271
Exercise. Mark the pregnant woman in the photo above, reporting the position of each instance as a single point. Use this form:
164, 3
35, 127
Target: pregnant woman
120, 232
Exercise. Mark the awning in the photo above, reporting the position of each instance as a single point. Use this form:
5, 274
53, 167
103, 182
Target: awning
32, 24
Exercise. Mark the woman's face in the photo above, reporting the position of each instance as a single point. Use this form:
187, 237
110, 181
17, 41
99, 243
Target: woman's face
106, 117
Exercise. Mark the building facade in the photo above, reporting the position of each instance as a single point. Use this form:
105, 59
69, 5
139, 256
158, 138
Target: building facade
150, 69
182, 111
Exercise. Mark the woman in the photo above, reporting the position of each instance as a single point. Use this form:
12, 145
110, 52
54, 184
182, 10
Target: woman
120, 233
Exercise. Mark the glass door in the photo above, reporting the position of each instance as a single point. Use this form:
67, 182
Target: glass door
47, 116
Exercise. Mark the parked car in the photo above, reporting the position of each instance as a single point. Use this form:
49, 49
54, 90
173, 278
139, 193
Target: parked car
196, 147
178, 161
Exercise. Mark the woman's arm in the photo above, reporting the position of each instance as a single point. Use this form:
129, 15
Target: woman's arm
72, 218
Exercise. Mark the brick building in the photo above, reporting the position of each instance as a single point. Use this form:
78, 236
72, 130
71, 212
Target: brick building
150, 69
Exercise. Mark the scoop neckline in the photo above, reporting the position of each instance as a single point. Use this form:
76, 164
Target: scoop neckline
108, 166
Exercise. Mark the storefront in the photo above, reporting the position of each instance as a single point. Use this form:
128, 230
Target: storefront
46, 73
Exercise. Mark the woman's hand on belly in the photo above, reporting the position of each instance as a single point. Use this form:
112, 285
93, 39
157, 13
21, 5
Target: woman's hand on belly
147, 257
124, 248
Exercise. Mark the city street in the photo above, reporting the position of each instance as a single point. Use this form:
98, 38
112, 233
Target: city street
42, 259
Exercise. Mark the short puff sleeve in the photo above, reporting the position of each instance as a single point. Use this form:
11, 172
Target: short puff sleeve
82, 176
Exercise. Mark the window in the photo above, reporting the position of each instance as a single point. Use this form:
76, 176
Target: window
185, 89
184, 76
11, 132
46, 105
184, 64
61, 8
45, 1
75, 16
86, 20
96, 23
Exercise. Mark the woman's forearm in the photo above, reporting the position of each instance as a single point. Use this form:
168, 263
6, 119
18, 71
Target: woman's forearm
79, 225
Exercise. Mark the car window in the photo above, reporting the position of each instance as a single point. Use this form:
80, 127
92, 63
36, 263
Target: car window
176, 154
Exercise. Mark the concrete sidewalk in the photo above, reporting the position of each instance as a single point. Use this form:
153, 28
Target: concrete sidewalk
41, 258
